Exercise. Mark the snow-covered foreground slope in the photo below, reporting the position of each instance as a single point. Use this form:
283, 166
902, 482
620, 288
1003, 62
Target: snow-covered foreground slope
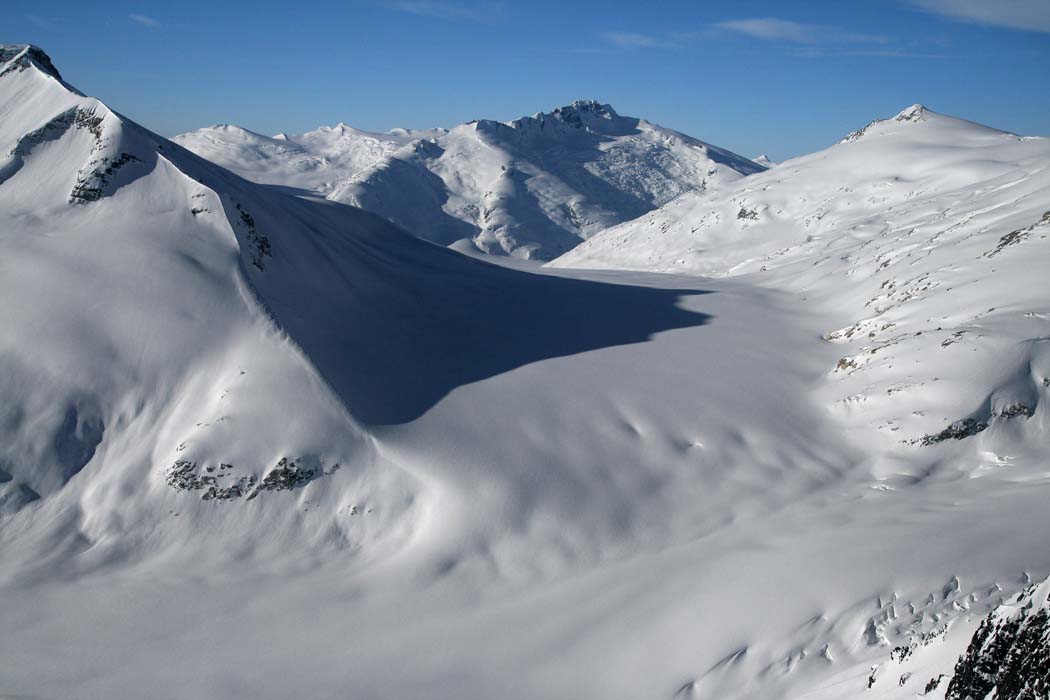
261, 446
533, 187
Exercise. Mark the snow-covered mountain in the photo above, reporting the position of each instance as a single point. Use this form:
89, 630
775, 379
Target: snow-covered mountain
925, 240
926, 234
533, 187
255, 445
147, 351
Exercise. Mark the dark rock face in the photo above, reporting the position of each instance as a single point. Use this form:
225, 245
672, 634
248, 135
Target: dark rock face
91, 185
185, 476
1016, 409
968, 427
956, 431
1009, 655
260, 244
933, 684
287, 475
222, 484
1015, 237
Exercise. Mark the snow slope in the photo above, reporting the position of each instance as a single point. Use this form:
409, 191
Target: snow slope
141, 356
926, 237
533, 187
555, 484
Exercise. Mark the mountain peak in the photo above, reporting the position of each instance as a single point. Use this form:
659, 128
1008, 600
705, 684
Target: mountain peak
914, 113
21, 56
580, 110
579, 114
599, 108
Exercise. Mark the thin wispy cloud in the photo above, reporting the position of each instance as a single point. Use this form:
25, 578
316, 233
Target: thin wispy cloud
829, 52
37, 20
576, 50
1029, 15
144, 20
447, 10
634, 40
775, 29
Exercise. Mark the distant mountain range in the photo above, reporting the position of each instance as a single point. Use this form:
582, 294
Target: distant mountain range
534, 187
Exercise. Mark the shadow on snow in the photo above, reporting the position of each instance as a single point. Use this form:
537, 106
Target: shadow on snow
394, 324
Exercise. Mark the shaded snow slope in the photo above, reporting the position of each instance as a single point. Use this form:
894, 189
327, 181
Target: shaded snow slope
533, 187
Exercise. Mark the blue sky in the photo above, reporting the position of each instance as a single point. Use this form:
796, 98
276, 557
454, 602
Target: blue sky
783, 78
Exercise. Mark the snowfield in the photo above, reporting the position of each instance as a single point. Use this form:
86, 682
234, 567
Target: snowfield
532, 188
926, 235
258, 445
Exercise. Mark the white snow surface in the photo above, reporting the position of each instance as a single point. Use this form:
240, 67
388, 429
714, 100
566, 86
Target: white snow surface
316, 162
924, 240
533, 187
498, 481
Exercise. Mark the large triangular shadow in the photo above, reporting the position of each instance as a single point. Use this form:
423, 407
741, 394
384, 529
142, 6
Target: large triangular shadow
394, 324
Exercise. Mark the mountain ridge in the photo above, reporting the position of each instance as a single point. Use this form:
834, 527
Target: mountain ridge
530, 187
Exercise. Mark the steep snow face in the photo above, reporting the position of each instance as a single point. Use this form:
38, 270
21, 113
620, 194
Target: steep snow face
139, 365
533, 187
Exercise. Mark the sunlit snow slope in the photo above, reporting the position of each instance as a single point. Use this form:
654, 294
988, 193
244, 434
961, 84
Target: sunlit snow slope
927, 238
254, 445
317, 161
533, 187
